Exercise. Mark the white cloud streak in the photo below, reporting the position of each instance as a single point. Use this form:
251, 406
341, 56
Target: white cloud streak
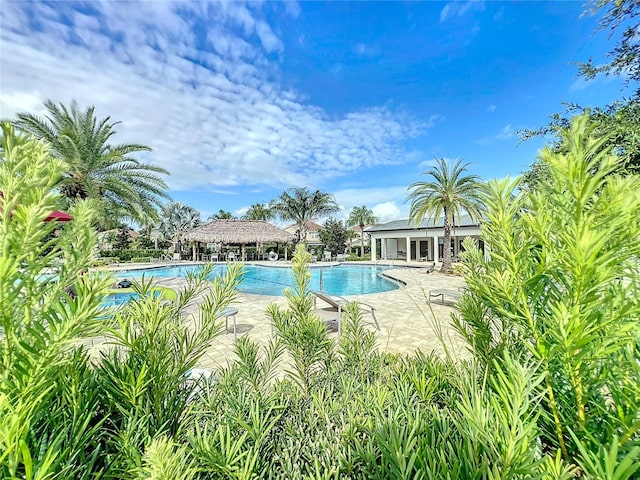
195, 81
460, 8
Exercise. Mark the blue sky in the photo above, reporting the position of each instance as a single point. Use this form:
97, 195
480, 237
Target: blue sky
242, 100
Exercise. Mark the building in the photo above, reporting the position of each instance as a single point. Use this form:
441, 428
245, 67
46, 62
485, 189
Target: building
404, 240
313, 233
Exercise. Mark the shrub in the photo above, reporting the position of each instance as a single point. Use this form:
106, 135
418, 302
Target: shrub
128, 255
560, 291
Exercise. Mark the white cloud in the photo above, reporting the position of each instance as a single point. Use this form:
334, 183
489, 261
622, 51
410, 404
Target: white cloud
240, 212
389, 211
383, 201
214, 116
460, 8
505, 133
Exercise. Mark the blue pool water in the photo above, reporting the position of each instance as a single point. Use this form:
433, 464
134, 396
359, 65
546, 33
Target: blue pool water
338, 280
117, 299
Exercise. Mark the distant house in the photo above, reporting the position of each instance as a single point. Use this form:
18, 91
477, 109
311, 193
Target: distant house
313, 233
404, 240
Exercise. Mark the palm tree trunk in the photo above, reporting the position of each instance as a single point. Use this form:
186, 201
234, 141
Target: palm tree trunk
446, 253
303, 232
361, 241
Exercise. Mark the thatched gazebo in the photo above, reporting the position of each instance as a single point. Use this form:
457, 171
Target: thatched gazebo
240, 232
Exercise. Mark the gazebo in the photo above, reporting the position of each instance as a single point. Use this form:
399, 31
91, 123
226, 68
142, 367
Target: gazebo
240, 232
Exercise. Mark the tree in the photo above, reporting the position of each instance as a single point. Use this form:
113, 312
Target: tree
176, 220
625, 57
300, 205
122, 238
125, 187
259, 211
221, 215
361, 216
563, 280
449, 192
334, 236
618, 124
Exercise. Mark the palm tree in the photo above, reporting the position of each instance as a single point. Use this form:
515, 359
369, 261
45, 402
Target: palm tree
175, 221
448, 193
361, 216
300, 205
259, 211
221, 215
124, 186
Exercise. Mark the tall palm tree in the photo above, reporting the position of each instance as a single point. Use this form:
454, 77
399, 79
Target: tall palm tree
125, 187
361, 216
175, 221
300, 205
448, 192
259, 211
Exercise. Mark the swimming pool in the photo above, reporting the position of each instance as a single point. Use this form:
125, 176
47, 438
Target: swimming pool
338, 280
117, 299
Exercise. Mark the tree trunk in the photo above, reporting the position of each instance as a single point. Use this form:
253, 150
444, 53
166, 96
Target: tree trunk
303, 232
446, 252
361, 241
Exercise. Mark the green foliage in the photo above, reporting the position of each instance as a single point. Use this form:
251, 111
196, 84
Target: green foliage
122, 240
39, 320
334, 236
143, 242
625, 57
561, 289
221, 215
449, 193
127, 255
62, 414
618, 124
259, 211
176, 219
301, 205
303, 334
124, 187
361, 216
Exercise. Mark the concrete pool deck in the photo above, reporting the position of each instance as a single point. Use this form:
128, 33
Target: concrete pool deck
408, 322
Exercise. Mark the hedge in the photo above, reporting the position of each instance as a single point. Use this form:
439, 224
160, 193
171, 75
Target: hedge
126, 255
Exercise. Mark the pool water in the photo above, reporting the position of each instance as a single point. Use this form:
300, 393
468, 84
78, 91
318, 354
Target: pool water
117, 299
338, 280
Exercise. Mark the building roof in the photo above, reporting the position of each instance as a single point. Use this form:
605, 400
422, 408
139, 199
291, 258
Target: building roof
463, 221
311, 227
356, 228
238, 231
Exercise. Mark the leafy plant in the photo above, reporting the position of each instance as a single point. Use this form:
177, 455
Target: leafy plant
561, 289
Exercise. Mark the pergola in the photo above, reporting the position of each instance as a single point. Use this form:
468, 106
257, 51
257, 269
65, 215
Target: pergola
240, 232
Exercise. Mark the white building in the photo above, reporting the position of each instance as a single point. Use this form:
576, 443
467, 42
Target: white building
404, 240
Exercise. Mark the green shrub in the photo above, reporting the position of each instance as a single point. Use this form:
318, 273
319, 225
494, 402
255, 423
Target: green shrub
129, 255
561, 290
